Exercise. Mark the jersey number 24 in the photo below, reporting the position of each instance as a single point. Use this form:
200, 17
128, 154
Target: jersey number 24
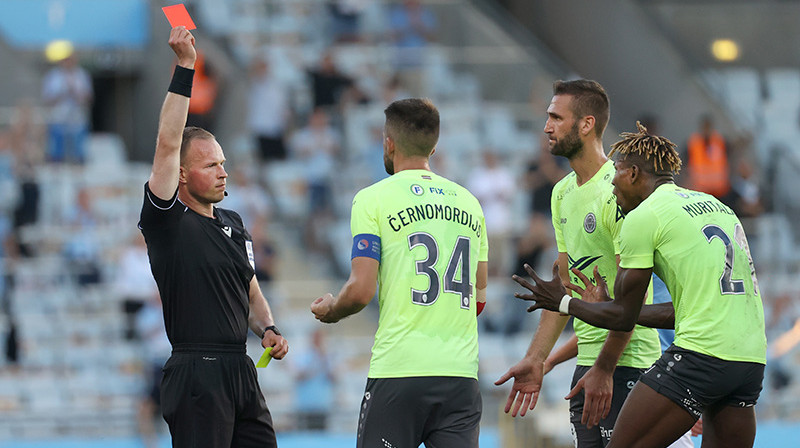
727, 284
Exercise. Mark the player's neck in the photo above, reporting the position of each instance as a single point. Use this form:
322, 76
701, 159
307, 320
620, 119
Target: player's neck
413, 163
589, 161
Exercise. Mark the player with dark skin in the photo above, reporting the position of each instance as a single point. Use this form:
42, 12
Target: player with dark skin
648, 418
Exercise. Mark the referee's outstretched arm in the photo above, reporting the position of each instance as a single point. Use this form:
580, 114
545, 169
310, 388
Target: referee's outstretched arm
166, 163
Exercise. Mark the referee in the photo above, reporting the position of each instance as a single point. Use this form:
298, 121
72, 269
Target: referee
202, 260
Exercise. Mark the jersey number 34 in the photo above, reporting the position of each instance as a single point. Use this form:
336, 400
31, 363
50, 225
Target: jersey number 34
459, 258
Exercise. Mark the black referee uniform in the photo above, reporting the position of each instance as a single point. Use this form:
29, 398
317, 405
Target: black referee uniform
203, 266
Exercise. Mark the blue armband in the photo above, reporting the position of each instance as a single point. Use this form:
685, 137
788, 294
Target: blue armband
366, 245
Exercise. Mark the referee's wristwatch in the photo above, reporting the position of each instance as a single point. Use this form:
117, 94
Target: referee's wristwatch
272, 328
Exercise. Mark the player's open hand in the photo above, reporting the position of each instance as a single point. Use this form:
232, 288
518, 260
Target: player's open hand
594, 292
546, 294
322, 309
524, 393
598, 390
182, 43
280, 347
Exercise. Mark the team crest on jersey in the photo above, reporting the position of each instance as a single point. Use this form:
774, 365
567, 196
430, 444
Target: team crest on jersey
589, 223
417, 190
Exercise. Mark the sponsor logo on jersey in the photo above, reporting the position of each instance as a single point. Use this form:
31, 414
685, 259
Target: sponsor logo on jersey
417, 190
589, 223
620, 215
227, 230
583, 262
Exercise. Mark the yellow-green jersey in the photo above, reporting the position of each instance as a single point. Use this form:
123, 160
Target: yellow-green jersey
587, 223
428, 233
698, 247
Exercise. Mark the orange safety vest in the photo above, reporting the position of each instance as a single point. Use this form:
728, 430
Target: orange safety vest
204, 89
708, 164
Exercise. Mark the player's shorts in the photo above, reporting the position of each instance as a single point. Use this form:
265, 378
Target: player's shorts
442, 412
694, 380
599, 436
210, 397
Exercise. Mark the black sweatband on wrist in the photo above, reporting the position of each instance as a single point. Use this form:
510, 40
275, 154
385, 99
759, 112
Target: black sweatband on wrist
182, 81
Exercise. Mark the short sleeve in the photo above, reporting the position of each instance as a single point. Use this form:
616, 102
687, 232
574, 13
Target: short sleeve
638, 240
483, 255
157, 212
555, 212
363, 215
364, 227
613, 219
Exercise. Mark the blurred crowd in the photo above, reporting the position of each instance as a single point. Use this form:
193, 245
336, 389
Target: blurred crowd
297, 115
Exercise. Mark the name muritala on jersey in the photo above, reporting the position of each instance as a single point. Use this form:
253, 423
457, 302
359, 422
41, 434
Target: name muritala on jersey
421, 212
702, 207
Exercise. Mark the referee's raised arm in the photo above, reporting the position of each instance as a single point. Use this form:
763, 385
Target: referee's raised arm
166, 162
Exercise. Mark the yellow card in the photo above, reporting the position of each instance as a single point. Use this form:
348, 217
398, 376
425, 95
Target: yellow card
265, 358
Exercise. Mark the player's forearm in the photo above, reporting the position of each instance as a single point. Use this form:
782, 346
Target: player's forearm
609, 315
615, 344
551, 324
351, 299
564, 353
660, 315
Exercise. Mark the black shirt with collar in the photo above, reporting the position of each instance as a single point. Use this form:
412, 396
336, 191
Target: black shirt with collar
202, 266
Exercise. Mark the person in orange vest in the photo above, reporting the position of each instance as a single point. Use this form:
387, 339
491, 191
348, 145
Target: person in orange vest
204, 95
707, 160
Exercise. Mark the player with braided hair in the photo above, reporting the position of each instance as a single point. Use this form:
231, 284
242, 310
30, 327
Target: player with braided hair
696, 244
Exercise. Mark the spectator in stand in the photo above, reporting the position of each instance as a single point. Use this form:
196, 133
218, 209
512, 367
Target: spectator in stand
543, 174
411, 27
202, 107
745, 191
345, 17
247, 197
268, 111
314, 384
493, 185
329, 86
133, 281
67, 92
156, 350
81, 248
316, 146
707, 161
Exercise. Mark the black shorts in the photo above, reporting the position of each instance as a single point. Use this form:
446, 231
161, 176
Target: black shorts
599, 436
442, 412
211, 398
694, 380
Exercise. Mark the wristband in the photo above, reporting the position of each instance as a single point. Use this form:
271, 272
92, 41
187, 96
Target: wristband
272, 328
182, 81
563, 308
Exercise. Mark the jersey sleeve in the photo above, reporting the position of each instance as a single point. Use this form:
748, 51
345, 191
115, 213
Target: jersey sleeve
613, 219
555, 212
364, 227
638, 240
157, 212
483, 255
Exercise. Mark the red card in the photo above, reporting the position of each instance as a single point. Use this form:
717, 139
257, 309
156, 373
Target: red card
178, 16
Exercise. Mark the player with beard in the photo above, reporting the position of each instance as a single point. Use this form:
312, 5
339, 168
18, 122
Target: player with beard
422, 239
587, 223
697, 245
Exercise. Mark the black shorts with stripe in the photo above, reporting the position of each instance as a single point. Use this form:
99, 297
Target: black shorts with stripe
695, 381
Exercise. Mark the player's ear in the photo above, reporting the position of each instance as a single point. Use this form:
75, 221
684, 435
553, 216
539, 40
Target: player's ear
635, 173
587, 124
